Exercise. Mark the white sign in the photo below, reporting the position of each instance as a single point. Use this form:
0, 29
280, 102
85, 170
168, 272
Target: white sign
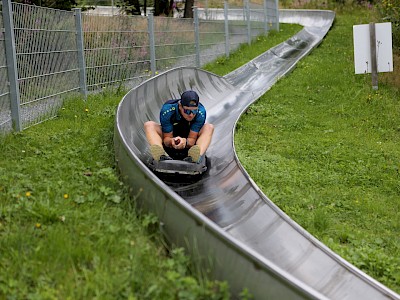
362, 49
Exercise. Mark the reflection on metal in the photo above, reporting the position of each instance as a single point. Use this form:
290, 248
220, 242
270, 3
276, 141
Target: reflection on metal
224, 219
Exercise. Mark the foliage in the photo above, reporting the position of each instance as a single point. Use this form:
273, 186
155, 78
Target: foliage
58, 4
130, 7
160, 7
390, 12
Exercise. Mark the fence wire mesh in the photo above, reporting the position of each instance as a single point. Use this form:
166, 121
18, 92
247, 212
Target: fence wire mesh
232, 3
117, 50
5, 106
237, 25
174, 42
45, 42
212, 40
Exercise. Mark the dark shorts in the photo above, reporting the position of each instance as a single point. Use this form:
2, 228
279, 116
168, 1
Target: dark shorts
180, 129
176, 154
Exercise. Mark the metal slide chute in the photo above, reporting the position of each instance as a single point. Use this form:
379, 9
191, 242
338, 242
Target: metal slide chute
223, 219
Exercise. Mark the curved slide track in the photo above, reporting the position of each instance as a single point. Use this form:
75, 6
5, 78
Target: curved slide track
223, 219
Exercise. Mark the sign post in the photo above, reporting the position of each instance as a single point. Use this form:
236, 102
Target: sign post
374, 64
373, 49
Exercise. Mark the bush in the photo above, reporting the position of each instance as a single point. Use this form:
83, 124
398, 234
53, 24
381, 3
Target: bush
390, 12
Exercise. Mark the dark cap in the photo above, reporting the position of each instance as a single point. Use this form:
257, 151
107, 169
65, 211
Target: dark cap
190, 99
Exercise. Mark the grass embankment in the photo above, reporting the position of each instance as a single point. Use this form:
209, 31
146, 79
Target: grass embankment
324, 147
68, 229
244, 53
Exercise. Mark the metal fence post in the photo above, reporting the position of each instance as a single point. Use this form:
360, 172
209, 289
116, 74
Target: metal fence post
80, 51
277, 15
265, 17
11, 58
226, 28
248, 22
152, 46
196, 35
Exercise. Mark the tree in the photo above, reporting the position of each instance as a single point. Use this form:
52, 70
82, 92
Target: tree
163, 7
131, 7
188, 9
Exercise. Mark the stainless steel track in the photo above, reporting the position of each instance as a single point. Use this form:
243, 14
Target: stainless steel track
236, 232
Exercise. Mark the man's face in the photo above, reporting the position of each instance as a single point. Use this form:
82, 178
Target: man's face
188, 112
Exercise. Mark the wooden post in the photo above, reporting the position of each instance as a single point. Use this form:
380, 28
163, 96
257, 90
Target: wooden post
374, 65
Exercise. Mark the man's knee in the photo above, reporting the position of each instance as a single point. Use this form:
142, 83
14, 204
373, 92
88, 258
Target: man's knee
150, 125
208, 129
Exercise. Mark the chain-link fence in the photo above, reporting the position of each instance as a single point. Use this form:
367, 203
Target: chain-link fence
48, 55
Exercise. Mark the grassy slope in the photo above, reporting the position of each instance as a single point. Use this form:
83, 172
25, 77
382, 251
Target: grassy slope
68, 228
324, 147
244, 53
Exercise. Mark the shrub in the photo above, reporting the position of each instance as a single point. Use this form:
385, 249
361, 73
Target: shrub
390, 12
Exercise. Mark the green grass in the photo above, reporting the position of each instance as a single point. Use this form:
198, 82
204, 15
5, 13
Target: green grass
69, 230
244, 53
324, 147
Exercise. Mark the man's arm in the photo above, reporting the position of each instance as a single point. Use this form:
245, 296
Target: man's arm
168, 139
196, 126
192, 138
180, 142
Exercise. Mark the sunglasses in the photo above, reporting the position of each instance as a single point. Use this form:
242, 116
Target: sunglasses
190, 111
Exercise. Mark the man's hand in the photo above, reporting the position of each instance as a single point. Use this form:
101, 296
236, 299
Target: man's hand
178, 143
